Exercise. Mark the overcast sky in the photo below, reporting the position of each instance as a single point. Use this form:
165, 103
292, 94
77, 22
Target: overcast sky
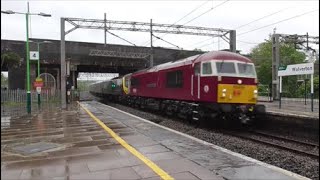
230, 15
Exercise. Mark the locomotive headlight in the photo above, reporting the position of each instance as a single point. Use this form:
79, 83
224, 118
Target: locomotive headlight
219, 78
224, 92
255, 93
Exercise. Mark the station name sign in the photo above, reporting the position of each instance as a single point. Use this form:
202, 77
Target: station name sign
296, 69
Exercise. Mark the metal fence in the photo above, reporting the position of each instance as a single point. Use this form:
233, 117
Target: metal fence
293, 104
300, 92
305, 101
14, 102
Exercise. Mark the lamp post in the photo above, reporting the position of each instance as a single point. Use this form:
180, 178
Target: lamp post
38, 75
27, 51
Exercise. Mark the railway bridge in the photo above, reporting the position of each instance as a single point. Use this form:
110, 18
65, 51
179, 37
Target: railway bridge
83, 57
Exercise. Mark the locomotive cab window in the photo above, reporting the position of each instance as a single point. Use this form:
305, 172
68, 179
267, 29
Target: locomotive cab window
174, 79
246, 70
225, 68
207, 68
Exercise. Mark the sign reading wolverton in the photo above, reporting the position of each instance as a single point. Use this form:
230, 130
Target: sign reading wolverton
296, 69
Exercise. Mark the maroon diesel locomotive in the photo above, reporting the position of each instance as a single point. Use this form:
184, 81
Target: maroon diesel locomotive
214, 84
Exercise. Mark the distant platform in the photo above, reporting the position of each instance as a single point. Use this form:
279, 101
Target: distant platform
292, 107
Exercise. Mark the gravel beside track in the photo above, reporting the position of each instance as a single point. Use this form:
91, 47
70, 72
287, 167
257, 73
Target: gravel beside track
296, 163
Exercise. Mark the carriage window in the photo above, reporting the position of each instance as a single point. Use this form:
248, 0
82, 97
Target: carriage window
175, 79
134, 82
225, 67
206, 68
246, 69
197, 69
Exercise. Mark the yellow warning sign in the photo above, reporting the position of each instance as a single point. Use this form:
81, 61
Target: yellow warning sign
38, 79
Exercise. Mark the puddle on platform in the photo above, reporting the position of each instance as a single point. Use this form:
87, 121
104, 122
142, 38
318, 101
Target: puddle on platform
33, 148
5, 122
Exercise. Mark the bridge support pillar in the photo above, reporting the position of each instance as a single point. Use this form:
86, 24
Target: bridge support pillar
58, 78
13, 81
33, 74
76, 77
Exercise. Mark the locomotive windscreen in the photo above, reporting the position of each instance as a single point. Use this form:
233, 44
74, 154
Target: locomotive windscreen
246, 70
226, 67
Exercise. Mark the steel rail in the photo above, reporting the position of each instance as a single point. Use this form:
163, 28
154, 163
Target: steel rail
285, 139
247, 136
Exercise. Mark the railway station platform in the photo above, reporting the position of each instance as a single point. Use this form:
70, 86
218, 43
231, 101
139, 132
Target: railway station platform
91, 140
292, 109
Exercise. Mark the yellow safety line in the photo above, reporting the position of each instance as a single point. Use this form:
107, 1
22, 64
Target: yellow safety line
131, 149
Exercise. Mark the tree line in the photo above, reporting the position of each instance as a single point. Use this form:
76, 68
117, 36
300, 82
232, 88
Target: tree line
293, 86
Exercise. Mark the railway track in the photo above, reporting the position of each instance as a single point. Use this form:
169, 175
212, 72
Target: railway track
292, 145
286, 139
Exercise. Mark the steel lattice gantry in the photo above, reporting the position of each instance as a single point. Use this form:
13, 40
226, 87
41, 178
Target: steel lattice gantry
107, 25
299, 39
145, 27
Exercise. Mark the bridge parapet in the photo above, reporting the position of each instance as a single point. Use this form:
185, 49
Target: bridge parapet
83, 53
118, 54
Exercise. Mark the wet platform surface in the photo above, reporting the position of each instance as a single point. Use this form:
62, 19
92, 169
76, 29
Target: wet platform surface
294, 109
71, 145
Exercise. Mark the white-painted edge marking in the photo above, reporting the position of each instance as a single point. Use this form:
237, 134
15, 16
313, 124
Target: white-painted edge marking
286, 172
290, 114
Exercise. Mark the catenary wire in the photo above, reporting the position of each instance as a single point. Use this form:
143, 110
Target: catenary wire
121, 38
269, 25
278, 22
147, 42
260, 18
205, 12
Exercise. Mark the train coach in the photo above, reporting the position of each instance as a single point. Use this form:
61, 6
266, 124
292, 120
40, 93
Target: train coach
212, 85
110, 89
